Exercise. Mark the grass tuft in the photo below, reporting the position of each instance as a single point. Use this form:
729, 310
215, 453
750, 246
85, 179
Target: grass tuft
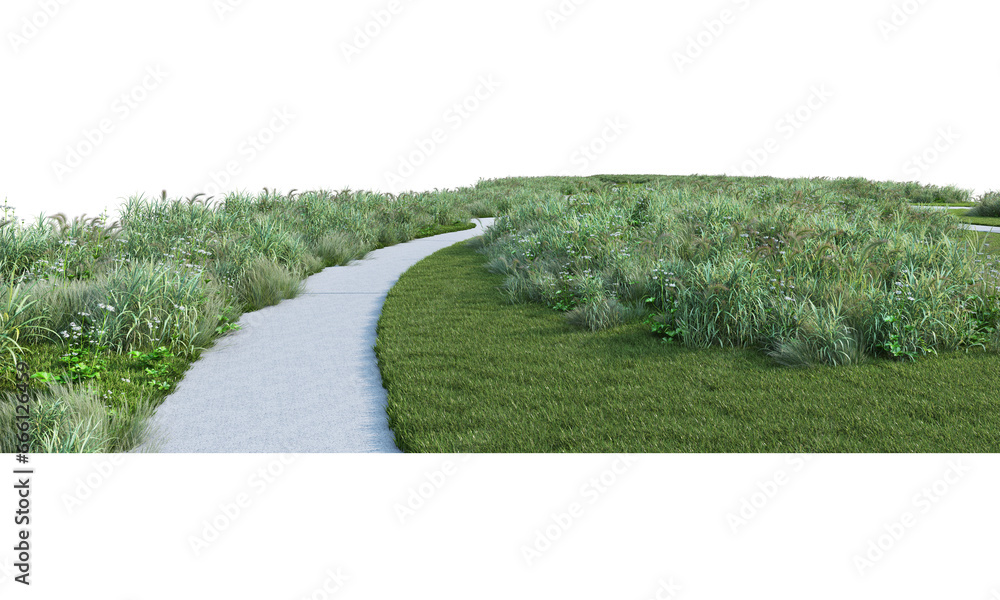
266, 283
602, 312
987, 205
338, 248
74, 418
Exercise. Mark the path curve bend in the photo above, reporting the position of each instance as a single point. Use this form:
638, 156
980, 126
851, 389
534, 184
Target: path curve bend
299, 376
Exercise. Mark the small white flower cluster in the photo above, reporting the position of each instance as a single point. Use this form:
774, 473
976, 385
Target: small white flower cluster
898, 293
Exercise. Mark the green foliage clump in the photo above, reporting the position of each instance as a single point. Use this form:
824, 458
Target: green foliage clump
810, 271
987, 205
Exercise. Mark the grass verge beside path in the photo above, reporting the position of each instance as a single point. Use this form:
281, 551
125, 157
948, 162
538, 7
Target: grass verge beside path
948, 204
467, 372
962, 214
988, 221
99, 400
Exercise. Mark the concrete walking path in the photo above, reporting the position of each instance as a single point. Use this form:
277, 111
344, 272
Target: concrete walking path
985, 228
300, 376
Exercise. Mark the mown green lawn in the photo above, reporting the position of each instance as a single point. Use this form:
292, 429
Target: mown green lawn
961, 214
467, 372
988, 221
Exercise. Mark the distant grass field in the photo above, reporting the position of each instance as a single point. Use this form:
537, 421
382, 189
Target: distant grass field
466, 371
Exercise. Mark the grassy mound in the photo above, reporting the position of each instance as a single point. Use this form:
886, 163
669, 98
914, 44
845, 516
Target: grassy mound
797, 269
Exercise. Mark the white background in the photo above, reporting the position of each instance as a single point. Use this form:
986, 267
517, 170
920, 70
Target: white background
893, 76
358, 113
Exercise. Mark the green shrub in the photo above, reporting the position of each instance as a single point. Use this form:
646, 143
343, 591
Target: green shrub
154, 304
134, 305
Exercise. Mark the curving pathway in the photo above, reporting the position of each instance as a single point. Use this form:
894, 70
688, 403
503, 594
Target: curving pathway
300, 376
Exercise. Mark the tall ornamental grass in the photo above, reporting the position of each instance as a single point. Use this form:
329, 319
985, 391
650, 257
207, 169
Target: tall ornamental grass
987, 205
797, 269
169, 270
73, 418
